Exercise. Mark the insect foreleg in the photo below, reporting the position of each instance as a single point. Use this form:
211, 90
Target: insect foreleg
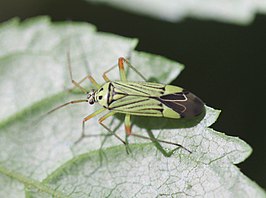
86, 119
93, 81
78, 84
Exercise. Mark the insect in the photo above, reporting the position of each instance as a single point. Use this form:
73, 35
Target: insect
138, 99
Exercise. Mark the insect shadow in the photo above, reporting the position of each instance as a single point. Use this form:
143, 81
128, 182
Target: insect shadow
153, 123
167, 123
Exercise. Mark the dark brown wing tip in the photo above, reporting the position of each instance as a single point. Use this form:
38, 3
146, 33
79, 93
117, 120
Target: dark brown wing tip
195, 104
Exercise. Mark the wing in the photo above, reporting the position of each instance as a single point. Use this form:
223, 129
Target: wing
137, 105
184, 103
133, 98
139, 88
153, 99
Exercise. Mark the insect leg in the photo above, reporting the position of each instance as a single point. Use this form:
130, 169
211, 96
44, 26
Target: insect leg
108, 129
85, 120
152, 138
121, 71
93, 81
77, 84
158, 146
128, 129
127, 125
104, 74
121, 62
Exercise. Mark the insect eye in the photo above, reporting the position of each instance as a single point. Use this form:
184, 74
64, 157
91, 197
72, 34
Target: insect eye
100, 97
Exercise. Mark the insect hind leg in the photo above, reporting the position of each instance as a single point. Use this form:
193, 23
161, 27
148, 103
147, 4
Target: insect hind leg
121, 62
152, 138
158, 145
122, 72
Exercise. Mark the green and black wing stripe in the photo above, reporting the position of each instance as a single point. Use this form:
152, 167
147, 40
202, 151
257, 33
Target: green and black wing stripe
149, 99
136, 105
140, 88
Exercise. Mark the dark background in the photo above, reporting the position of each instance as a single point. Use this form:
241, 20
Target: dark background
225, 63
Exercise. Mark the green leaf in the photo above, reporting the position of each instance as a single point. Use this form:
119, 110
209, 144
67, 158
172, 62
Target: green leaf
238, 12
38, 156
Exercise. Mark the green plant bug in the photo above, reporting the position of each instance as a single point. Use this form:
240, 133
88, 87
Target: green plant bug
138, 99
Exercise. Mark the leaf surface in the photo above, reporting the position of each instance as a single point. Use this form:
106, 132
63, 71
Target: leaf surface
38, 156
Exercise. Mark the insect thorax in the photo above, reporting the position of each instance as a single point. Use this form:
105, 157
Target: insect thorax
108, 94
102, 95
